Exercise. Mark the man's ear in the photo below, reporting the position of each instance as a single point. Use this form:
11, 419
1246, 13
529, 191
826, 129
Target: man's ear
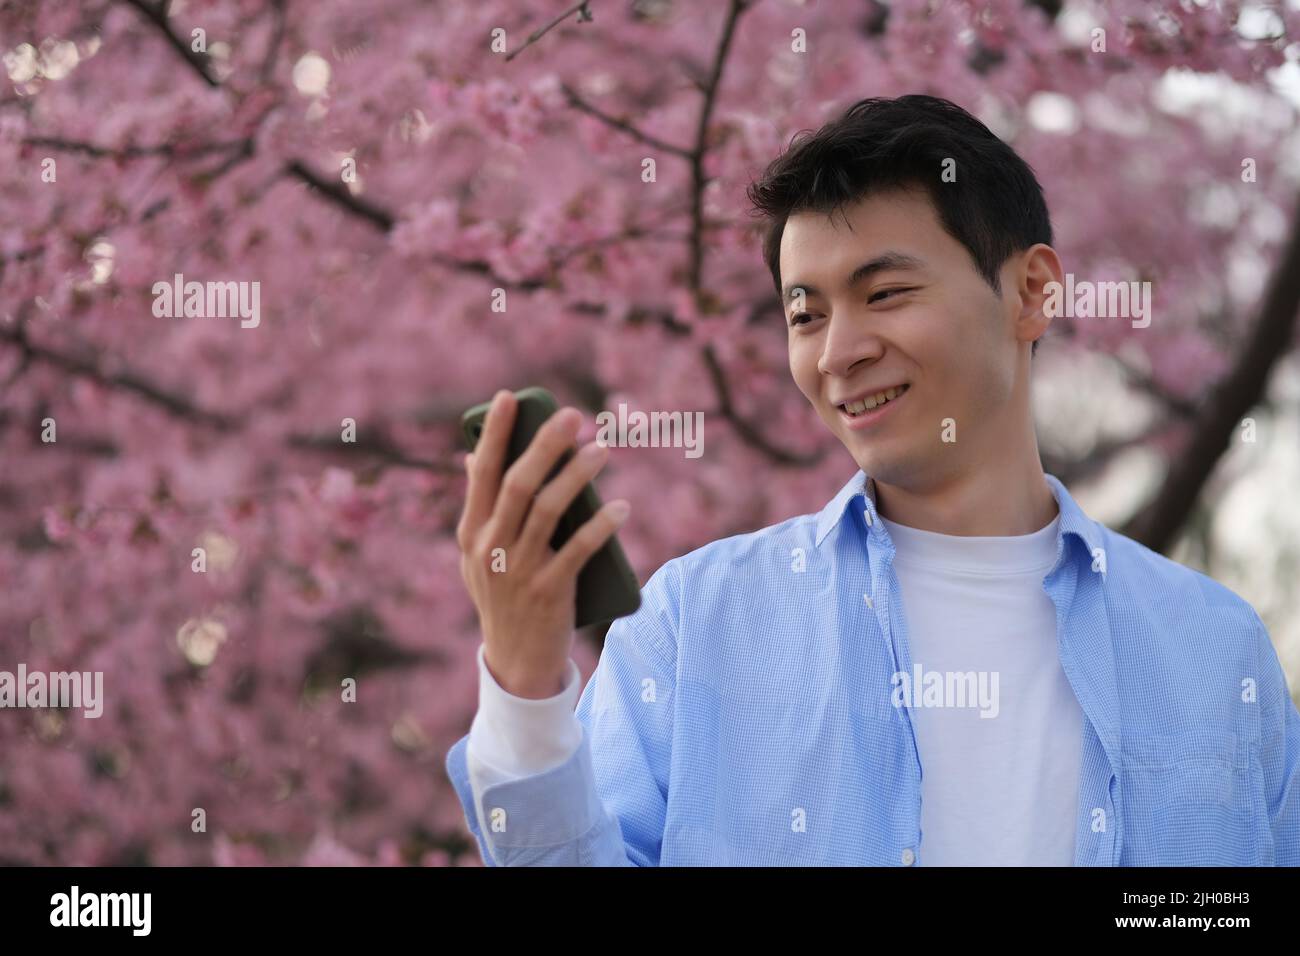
1039, 280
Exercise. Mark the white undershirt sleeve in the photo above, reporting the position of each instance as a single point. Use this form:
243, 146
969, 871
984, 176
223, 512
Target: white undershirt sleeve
515, 737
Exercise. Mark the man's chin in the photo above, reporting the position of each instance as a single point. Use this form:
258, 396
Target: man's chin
871, 464
868, 452
883, 468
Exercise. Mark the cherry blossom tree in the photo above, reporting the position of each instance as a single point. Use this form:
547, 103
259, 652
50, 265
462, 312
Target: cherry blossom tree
247, 526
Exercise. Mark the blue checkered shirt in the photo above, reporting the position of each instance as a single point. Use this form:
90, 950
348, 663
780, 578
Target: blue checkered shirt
743, 716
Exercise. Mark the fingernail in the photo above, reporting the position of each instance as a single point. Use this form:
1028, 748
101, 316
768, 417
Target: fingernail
618, 510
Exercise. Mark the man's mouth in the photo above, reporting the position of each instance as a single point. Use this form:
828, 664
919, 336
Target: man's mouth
869, 402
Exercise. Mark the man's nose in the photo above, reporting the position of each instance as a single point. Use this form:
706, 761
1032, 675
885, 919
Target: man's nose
847, 343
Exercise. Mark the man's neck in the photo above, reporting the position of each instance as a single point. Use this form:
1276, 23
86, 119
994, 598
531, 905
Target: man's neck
986, 502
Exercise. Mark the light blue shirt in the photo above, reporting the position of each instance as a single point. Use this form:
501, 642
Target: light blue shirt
743, 715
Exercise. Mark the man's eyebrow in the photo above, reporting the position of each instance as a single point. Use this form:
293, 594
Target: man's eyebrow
884, 261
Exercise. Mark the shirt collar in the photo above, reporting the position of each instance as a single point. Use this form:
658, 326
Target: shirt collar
1073, 519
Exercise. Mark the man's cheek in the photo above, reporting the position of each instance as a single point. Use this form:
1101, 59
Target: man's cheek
807, 388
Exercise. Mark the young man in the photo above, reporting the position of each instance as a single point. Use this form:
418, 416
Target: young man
950, 663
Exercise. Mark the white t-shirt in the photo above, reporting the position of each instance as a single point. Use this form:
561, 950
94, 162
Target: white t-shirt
1000, 790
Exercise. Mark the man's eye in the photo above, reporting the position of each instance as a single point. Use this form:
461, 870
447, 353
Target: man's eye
794, 319
876, 297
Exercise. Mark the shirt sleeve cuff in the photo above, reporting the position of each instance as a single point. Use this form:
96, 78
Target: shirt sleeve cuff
518, 736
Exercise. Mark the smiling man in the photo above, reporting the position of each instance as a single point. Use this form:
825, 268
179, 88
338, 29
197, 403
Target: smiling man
950, 663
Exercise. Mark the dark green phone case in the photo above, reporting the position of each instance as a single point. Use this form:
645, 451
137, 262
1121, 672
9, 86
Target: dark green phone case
607, 586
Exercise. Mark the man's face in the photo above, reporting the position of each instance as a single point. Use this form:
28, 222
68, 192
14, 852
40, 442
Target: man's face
920, 321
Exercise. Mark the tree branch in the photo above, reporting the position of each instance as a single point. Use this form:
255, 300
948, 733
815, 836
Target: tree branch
577, 102
170, 150
698, 180
1181, 407
273, 45
374, 444
748, 433
339, 194
584, 16
156, 13
1101, 454
370, 443
1234, 395
176, 405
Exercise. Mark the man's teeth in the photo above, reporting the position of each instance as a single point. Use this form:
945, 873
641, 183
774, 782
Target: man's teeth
871, 401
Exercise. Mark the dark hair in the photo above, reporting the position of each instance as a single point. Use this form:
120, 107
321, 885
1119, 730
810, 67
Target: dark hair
994, 207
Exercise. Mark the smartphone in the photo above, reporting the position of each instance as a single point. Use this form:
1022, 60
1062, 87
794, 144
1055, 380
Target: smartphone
607, 586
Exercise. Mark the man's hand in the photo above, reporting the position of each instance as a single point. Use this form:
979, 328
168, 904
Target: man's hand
527, 610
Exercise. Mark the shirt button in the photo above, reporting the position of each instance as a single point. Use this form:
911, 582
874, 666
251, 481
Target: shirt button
870, 603
867, 516
908, 857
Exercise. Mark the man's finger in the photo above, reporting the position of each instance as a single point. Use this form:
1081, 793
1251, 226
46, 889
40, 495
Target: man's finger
558, 493
485, 464
587, 540
523, 479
